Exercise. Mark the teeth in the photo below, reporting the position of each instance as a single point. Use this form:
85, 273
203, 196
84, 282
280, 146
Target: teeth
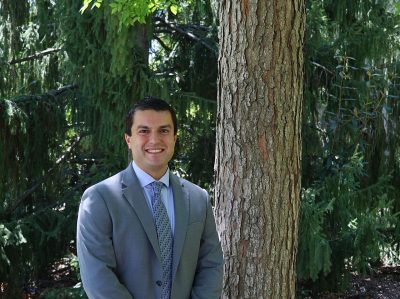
154, 151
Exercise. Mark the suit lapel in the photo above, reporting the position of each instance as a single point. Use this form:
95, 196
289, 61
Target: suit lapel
181, 208
133, 193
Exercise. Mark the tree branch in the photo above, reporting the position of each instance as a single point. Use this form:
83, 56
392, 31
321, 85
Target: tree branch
59, 161
34, 56
177, 28
53, 92
322, 67
61, 90
159, 40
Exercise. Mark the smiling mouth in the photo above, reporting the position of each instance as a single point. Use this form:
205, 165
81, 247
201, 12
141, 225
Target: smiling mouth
154, 151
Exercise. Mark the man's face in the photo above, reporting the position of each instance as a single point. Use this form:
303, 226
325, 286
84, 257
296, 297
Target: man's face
152, 141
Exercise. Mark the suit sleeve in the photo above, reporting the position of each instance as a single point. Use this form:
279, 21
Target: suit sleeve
95, 250
209, 273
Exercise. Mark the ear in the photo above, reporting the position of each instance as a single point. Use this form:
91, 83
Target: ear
128, 140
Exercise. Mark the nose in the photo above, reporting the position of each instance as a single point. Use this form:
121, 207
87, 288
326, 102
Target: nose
154, 137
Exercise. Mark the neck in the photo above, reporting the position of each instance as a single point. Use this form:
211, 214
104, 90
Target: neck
157, 174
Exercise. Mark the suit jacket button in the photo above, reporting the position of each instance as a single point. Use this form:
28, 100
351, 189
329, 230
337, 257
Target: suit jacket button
159, 283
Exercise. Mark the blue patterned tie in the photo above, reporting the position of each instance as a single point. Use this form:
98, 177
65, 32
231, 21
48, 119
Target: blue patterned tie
164, 234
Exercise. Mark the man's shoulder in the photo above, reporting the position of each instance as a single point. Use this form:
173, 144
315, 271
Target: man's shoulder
189, 186
109, 183
112, 180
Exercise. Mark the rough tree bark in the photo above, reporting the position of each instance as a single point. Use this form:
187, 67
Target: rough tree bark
258, 145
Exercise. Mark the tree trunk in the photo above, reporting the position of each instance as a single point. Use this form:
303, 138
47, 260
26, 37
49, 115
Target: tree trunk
258, 145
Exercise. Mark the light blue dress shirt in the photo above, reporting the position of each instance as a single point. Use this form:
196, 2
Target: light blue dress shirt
167, 196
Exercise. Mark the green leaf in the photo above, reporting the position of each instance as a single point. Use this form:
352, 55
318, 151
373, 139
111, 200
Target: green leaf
97, 4
398, 8
86, 4
174, 9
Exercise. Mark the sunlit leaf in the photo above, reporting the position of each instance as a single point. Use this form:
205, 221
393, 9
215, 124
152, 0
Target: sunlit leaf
174, 9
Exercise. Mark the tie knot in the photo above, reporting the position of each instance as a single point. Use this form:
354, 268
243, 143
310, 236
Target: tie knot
156, 187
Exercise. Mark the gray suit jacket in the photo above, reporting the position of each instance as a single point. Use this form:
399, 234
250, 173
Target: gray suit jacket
117, 244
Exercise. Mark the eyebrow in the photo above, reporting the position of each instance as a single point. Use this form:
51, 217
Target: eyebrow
160, 127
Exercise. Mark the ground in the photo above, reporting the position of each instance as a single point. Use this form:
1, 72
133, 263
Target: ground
383, 284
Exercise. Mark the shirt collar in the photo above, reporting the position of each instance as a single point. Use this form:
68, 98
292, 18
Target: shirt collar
145, 179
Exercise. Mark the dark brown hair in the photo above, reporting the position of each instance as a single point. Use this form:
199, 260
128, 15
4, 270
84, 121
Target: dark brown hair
149, 103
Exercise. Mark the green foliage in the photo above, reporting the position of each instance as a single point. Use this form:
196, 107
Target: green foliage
350, 205
196, 143
38, 188
131, 12
343, 225
314, 254
86, 4
9, 238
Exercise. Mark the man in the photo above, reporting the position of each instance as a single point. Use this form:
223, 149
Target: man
136, 240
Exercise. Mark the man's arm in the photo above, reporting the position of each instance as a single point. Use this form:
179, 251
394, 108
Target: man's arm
95, 250
209, 273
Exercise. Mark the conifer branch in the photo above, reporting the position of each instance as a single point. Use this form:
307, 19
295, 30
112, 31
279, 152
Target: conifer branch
179, 29
57, 92
18, 201
52, 93
34, 56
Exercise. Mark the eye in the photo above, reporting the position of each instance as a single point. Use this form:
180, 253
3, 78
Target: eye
164, 131
143, 131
